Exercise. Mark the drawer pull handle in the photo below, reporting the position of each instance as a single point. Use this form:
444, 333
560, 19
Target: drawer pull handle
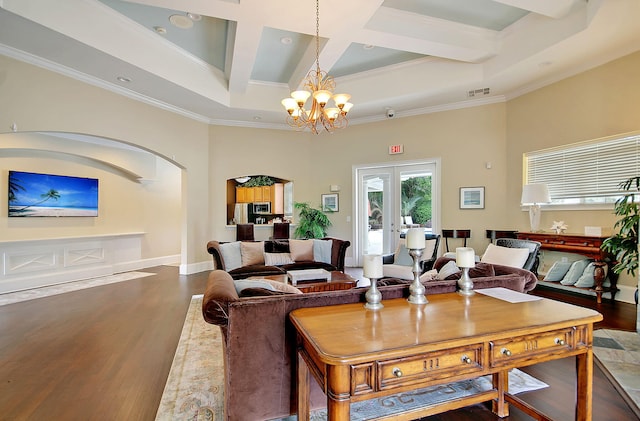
505, 352
560, 342
466, 359
397, 372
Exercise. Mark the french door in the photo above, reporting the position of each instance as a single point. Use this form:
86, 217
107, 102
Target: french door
390, 200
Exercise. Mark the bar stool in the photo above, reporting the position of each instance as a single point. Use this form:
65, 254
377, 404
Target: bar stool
280, 230
244, 232
493, 235
446, 234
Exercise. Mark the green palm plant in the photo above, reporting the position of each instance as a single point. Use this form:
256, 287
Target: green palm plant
624, 244
312, 223
51, 194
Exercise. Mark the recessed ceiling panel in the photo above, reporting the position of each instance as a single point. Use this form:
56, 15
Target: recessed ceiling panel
203, 36
481, 13
359, 58
278, 55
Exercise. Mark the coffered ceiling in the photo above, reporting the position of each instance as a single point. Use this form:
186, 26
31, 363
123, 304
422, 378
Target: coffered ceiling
232, 61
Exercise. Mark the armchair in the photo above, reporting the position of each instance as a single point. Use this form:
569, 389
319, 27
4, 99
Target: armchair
532, 261
400, 264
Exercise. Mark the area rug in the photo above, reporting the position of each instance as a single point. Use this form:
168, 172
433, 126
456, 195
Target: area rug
31, 294
618, 355
195, 386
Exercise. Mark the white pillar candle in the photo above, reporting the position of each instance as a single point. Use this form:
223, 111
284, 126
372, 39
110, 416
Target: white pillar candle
415, 238
465, 257
372, 266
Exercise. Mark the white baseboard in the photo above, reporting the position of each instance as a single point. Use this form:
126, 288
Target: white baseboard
196, 267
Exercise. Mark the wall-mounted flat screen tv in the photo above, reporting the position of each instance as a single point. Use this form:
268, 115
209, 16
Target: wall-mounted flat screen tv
32, 194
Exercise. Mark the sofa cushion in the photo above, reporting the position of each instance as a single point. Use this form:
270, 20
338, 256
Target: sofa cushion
557, 271
448, 270
322, 250
231, 255
506, 256
252, 252
301, 250
401, 255
282, 287
277, 259
575, 271
481, 270
241, 284
397, 271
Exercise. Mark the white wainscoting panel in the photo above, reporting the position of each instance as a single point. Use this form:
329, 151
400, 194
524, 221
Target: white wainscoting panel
34, 263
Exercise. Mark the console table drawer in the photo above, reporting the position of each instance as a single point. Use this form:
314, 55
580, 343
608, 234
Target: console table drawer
525, 348
431, 366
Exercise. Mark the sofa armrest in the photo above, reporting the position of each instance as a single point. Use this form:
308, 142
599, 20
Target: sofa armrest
219, 293
338, 251
213, 247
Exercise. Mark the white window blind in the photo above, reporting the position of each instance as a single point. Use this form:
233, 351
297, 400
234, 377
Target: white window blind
587, 170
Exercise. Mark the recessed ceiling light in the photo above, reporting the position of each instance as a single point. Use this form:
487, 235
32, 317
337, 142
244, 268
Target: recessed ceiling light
194, 16
286, 40
368, 47
123, 79
160, 29
181, 21
257, 117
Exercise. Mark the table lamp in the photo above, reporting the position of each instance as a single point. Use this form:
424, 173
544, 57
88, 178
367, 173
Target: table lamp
533, 195
372, 269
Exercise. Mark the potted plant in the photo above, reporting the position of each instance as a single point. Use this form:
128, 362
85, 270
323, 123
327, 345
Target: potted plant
313, 223
624, 244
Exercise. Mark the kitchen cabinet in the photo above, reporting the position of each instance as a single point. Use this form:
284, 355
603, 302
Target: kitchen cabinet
273, 194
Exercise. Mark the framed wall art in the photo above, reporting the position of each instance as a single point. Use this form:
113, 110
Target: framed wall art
330, 202
471, 197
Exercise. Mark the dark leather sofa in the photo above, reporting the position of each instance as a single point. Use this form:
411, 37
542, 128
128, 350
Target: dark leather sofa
338, 251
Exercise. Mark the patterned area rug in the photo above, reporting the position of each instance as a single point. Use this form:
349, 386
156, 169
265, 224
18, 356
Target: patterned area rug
31, 294
194, 389
618, 354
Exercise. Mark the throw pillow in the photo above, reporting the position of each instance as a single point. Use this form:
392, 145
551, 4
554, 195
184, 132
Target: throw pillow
575, 271
241, 284
505, 256
322, 251
430, 275
557, 271
252, 252
401, 256
587, 280
231, 255
449, 269
277, 259
281, 286
301, 250
481, 270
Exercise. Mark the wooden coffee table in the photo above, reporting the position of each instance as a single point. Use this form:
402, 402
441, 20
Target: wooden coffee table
404, 347
337, 282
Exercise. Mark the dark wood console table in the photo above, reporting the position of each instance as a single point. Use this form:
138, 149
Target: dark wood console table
585, 245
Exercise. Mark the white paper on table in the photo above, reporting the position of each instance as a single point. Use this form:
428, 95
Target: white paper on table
506, 294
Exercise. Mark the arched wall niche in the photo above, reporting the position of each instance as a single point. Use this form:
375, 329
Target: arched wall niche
140, 191
259, 199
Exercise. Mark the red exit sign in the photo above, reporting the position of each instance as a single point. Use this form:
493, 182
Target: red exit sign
394, 149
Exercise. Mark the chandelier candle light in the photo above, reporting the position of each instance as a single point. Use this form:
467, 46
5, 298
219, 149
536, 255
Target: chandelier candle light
372, 269
533, 195
465, 259
415, 244
319, 86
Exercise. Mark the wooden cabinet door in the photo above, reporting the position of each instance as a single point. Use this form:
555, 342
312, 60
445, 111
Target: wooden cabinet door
250, 196
241, 195
257, 194
266, 193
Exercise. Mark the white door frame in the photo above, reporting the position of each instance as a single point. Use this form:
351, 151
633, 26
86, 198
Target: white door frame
357, 204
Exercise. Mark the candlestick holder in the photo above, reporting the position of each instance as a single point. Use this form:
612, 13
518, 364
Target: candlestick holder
373, 296
465, 283
416, 289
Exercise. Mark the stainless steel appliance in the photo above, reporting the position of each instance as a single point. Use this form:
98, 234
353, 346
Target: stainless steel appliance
262, 208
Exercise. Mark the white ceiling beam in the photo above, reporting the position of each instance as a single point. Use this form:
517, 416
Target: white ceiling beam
551, 8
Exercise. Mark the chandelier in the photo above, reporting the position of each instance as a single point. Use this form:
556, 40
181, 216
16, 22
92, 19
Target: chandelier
319, 86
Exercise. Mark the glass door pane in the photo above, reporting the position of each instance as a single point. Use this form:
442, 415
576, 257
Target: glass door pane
377, 221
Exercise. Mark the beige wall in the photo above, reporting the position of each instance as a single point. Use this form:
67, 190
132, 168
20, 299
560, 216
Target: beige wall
597, 103
40, 100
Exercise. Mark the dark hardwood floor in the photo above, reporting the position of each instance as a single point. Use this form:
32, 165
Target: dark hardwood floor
104, 353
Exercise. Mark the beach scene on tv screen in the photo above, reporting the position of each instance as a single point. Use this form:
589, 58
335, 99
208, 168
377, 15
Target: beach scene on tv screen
33, 194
